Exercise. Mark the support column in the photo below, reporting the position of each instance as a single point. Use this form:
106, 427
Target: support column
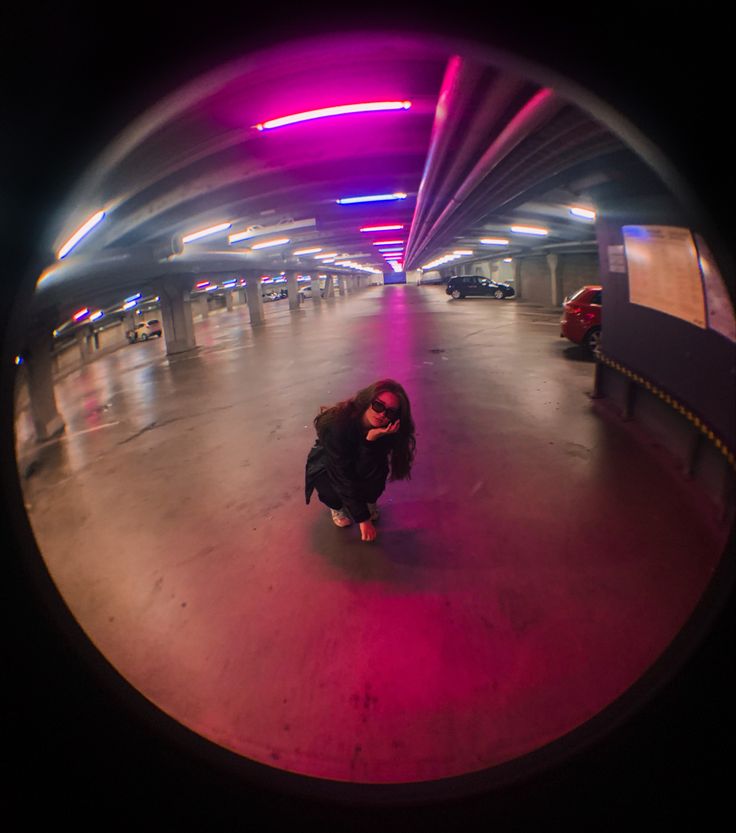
316, 296
176, 313
255, 298
47, 421
343, 285
517, 278
554, 281
229, 300
329, 286
83, 345
292, 287
203, 305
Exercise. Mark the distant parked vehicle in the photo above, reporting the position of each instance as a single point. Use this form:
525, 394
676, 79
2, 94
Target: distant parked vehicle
306, 292
581, 317
465, 285
144, 331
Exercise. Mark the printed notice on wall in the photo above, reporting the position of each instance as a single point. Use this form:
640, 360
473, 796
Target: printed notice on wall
663, 271
721, 316
616, 259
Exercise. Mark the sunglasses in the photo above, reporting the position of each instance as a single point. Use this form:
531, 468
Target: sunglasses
380, 408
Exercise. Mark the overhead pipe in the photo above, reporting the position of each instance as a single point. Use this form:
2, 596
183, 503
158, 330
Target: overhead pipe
538, 110
453, 83
478, 123
459, 124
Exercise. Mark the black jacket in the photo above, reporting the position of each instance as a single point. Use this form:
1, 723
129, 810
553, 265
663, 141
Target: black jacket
357, 468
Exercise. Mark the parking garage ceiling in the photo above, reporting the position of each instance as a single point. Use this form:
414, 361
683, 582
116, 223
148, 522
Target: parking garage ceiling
471, 148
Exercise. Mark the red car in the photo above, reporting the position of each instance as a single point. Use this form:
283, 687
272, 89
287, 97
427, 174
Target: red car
581, 317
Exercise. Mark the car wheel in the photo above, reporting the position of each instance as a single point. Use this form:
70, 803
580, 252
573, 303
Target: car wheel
144, 336
592, 341
498, 294
457, 294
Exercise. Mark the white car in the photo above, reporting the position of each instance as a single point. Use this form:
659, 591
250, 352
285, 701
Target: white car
145, 330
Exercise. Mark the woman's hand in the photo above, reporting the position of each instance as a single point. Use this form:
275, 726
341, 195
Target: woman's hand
367, 531
375, 433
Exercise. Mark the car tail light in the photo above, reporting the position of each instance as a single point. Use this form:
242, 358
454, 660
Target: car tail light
575, 309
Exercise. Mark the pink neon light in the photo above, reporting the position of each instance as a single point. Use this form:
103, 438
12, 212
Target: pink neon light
80, 314
340, 110
388, 242
382, 228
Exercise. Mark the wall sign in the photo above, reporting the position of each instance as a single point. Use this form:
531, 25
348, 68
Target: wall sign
664, 272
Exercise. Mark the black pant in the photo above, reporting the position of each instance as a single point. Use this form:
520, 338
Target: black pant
327, 494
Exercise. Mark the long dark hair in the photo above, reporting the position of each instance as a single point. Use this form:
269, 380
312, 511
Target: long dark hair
404, 446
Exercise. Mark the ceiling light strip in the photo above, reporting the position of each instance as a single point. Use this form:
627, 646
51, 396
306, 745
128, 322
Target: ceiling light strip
339, 110
81, 232
397, 195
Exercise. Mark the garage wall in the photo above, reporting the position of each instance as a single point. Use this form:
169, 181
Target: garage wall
535, 285
577, 270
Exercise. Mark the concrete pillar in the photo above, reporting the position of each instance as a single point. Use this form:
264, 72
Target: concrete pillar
128, 322
517, 278
292, 287
554, 280
81, 337
343, 285
329, 286
47, 421
316, 296
255, 298
203, 305
229, 300
176, 313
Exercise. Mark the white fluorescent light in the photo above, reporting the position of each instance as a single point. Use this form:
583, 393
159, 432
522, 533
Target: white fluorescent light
196, 235
79, 234
462, 252
494, 241
398, 195
267, 243
329, 254
529, 230
306, 251
585, 213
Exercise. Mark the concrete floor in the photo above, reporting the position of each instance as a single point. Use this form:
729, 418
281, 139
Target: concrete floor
536, 564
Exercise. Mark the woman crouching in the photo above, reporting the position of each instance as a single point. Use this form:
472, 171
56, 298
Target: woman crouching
360, 442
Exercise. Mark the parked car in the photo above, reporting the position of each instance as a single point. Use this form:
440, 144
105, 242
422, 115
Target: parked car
275, 295
306, 292
461, 286
581, 317
145, 330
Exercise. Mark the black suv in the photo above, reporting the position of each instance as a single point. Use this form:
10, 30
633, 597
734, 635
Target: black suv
464, 285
